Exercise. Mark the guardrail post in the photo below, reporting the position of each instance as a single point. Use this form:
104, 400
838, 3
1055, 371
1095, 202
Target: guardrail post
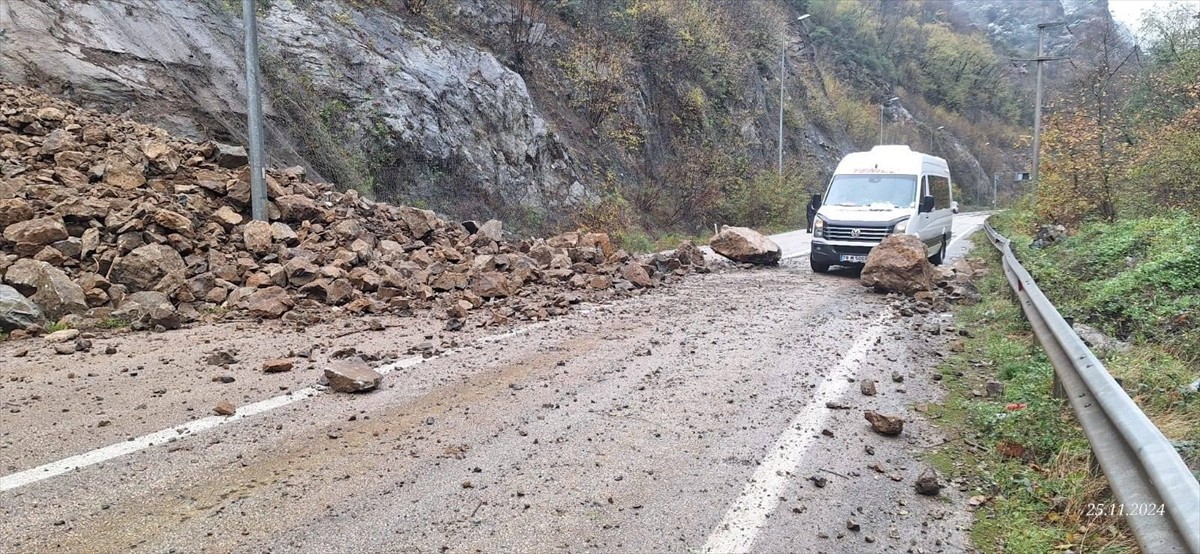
1094, 469
1057, 389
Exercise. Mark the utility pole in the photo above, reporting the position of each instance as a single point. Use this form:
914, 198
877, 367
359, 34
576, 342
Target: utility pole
782, 77
254, 124
881, 106
932, 142
1037, 110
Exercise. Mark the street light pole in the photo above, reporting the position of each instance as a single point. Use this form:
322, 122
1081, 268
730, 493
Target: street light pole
782, 77
254, 123
881, 106
932, 143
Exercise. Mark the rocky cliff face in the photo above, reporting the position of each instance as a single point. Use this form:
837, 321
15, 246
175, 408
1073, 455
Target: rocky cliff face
441, 110
1012, 26
359, 95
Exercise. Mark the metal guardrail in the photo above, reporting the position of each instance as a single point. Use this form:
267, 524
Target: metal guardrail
1155, 490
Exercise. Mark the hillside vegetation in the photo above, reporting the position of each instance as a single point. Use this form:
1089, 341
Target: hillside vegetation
637, 117
685, 91
1119, 167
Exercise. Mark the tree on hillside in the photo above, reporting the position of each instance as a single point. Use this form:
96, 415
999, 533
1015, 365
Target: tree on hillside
1087, 142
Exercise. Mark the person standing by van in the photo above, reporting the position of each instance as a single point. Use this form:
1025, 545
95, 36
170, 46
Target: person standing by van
813, 205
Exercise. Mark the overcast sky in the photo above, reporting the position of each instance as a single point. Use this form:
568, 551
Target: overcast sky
1130, 12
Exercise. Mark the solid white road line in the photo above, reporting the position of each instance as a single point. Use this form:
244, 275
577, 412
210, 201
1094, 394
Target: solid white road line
111, 451
746, 517
52, 469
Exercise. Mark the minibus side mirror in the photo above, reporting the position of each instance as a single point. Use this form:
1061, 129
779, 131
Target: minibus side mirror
816, 201
926, 204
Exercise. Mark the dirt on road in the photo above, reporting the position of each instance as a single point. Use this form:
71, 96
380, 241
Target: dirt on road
724, 413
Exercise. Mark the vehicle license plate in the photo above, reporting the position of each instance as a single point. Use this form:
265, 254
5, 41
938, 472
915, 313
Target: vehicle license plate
854, 258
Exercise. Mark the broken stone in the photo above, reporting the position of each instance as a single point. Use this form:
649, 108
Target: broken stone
39, 232
352, 375
18, 312
229, 157
927, 483
277, 365
225, 408
745, 245
258, 236
271, 302
898, 264
636, 274
884, 424
13, 211
867, 387
148, 310
64, 335
145, 266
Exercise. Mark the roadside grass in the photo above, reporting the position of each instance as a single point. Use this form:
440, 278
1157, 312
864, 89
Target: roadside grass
114, 323
55, 327
1020, 454
640, 242
1139, 281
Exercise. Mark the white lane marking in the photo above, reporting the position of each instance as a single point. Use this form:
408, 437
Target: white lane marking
111, 451
103, 454
746, 516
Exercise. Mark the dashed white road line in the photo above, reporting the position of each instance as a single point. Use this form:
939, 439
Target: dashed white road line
745, 518
748, 514
93, 457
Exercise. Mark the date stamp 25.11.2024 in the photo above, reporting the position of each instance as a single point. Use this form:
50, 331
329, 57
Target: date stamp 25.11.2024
1099, 509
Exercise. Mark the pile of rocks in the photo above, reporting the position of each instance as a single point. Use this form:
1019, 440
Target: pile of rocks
950, 285
105, 220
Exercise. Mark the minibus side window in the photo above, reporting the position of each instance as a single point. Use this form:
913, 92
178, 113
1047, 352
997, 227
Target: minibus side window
939, 187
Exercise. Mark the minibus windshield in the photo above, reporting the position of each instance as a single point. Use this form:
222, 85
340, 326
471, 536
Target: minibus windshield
899, 191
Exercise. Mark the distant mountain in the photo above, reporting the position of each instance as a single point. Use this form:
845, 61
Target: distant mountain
1011, 25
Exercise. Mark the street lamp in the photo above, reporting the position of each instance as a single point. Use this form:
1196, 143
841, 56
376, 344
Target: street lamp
932, 143
782, 74
881, 106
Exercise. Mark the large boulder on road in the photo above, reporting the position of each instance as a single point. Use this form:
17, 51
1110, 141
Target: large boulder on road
899, 264
742, 244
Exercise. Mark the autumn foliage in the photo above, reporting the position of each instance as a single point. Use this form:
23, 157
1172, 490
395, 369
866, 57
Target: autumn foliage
1124, 139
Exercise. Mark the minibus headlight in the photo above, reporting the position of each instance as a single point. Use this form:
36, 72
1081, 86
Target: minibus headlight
819, 227
900, 228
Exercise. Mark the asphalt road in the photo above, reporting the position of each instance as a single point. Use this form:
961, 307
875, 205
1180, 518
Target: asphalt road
693, 419
797, 243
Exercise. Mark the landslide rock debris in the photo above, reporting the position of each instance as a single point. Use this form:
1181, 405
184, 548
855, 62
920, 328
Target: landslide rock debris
352, 375
742, 244
898, 264
95, 209
927, 483
884, 424
225, 408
